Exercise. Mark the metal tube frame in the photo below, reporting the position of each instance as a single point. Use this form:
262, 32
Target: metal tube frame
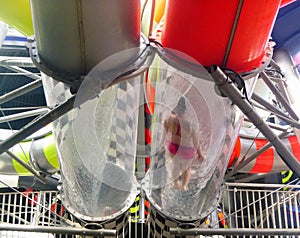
227, 87
267, 105
278, 113
59, 230
278, 95
37, 124
110, 79
234, 231
273, 126
274, 64
24, 72
31, 170
25, 62
21, 91
22, 115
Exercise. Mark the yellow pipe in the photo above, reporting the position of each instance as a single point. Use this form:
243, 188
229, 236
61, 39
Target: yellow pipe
39, 152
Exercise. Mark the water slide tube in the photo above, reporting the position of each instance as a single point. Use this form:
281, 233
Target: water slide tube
231, 35
96, 142
73, 62
235, 40
9, 11
39, 150
269, 161
69, 54
250, 140
72, 37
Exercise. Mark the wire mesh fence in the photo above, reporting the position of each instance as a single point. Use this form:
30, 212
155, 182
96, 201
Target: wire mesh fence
22, 212
246, 210
262, 206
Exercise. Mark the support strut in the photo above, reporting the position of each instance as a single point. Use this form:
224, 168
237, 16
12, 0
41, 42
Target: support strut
227, 87
37, 124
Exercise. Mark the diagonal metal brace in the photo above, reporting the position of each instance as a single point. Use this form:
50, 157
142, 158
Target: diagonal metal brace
31, 170
250, 158
21, 91
37, 124
279, 97
275, 110
227, 87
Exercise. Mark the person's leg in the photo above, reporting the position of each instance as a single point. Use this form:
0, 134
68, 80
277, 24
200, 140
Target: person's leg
175, 172
186, 179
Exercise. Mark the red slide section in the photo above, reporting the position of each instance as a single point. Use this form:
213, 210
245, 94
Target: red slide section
267, 162
206, 30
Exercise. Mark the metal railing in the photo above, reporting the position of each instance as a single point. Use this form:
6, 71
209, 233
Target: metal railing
30, 209
246, 210
268, 207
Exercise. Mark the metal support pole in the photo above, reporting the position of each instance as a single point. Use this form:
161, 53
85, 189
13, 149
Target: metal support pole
38, 124
22, 115
273, 126
276, 111
20, 91
234, 231
228, 88
282, 86
23, 71
279, 97
59, 230
31, 170
25, 62
275, 65
267, 105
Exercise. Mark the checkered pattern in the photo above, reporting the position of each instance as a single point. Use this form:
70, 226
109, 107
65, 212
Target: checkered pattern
160, 160
159, 224
120, 223
120, 135
56, 93
121, 138
62, 125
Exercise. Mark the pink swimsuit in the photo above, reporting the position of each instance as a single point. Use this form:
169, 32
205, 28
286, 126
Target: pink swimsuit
184, 152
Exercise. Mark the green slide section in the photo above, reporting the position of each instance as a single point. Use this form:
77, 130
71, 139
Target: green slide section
50, 151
